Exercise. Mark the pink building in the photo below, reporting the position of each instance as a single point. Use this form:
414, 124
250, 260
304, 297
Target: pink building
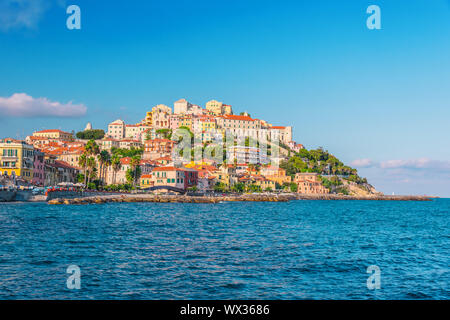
38, 168
181, 178
174, 121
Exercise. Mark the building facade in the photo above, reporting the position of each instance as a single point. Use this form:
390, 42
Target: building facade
309, 183
17, 159
54, 134
116, 129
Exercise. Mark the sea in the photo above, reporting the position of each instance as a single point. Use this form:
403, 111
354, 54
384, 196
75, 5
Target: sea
238, 250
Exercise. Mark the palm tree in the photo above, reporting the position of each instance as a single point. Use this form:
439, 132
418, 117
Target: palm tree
116, 166
134, 163
82, 161
107, 165
90, 149
91, 164
103, 158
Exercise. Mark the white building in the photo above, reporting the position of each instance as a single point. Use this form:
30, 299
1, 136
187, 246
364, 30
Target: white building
246, 155
116, 129
135, 131
181, 106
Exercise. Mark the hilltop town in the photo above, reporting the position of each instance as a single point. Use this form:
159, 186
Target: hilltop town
147, 156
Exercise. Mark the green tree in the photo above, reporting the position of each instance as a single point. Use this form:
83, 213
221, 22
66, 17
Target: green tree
238, 187
90, 149
104, 158
220, 187
92, 170
82, 162
116, 165
254, 188
164, 133
134, 163
122, 152
293, 187
95, 134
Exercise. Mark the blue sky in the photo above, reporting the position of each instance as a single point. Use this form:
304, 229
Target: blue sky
379, 99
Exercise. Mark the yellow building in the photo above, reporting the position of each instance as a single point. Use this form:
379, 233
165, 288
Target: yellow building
275, 174
218, 108
258, 181
266, 184
146, 181
16, 158
54, 134
148, 120
208, 123
215, 107
185, 121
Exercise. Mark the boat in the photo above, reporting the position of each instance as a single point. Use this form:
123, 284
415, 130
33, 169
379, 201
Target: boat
7, 195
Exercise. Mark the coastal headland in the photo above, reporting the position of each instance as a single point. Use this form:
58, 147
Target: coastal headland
119, 198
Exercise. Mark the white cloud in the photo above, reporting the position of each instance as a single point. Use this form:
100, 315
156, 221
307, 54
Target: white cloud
23, 105
362, 163
411, 176
16, 14
409, 164
422, 163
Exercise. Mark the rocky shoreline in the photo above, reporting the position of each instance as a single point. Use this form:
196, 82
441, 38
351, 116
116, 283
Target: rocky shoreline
119, 198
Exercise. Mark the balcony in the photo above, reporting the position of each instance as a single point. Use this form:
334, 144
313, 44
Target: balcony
9, 158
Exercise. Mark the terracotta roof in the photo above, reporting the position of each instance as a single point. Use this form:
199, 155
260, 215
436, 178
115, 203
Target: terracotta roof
52, 130
167, 169
125, 160
159, 141
204, 167
146, 176
277, 127
12, 140
164, 158
37, 138
234, 117
150, 162
63, 164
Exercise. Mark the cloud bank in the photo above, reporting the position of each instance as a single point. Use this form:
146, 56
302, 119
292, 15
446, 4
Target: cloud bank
411, 176
411, 164
23, 105
362, 163
17, 14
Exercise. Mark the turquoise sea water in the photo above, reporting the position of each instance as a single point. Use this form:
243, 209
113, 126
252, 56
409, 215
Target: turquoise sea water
295, 250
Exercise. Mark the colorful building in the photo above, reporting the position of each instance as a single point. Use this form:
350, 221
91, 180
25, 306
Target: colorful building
116, 129
157, 148
54, 134
38, 168
181, 178
275, 174
309, 183
17, 158
146, 181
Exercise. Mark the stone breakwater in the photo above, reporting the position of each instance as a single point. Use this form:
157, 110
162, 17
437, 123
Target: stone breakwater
227, 198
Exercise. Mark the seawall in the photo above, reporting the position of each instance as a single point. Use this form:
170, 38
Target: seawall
118, 198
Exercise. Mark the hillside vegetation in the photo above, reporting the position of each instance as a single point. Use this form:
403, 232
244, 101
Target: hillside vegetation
334, 174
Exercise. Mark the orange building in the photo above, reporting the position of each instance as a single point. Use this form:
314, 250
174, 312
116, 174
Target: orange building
309, 183
158, 148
